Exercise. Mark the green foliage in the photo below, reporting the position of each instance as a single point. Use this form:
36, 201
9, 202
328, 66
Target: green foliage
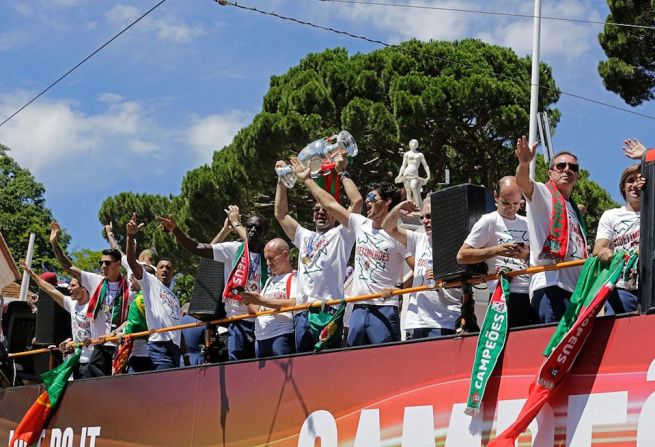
87, 260
183, 287
23, 211
629, 70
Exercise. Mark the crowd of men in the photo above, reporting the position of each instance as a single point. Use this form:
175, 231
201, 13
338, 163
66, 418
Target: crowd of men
552, 231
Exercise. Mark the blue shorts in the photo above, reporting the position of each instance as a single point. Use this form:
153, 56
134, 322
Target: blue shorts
305, 339
241, 340
372, 324
551, 303
428, 332
280, 345
164, 354
621, 301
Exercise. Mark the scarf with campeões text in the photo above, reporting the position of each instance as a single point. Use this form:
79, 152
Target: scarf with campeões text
491, 343
119, 306
557, 243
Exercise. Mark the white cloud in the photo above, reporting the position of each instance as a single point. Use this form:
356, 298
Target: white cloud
166, 27
11, 39
213, 132
109, 97
559, 38
142, 147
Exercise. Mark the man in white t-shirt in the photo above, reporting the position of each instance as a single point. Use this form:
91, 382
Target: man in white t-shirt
241, 335
430, 313
378, 260
501, 240
76, 305
161, 305
619, 229
274, 333
323, 253
555, 228
108, 304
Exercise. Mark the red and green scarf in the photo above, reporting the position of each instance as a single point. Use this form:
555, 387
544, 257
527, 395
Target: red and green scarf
238, 278
329, 181
120, 305
557, 242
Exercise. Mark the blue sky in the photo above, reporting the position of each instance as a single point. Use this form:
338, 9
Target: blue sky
161, 98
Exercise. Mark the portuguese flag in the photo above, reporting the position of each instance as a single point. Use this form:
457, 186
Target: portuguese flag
329, 181
595, 284
35, 420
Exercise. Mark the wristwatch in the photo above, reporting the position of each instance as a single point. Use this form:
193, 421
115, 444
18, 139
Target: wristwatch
344, 174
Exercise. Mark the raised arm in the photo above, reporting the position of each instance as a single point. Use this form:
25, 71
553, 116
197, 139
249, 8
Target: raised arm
354, 197
45, 286
234, 217
109, 232
132, 229
289, 224
390, 223
525, 154
225, 231
324, 198
65, 263
168, 224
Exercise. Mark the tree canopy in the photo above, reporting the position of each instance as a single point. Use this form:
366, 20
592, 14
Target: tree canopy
23, 211
629, 70
466, 116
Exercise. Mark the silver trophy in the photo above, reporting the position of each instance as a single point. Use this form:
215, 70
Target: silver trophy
318, 155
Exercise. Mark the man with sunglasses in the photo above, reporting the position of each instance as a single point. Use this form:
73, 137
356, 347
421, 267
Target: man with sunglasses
108, 304
430, 313
555, 227
378, 260
323, 253
500, 239
241, 334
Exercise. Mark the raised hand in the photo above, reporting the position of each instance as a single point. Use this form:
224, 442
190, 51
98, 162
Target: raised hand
632, 148
340, 161
167, 223
233, 215
301, 171
54, 232
407, 207
133, 227
109, 229
523, 151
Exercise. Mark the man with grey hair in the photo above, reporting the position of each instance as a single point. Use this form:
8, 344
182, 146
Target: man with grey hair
556, 229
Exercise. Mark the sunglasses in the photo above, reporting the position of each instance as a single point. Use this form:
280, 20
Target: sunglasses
562, 165
105, 262
371, 197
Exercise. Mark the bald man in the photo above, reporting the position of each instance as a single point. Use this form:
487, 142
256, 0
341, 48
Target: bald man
501, 240
274, 333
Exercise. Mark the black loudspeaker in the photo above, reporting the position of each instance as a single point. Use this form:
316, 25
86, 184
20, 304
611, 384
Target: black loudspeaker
53, 323
207, 297
454, 212
647, 234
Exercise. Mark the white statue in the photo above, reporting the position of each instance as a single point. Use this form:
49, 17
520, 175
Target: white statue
408, 174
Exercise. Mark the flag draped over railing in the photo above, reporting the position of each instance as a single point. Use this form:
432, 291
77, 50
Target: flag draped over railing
37, 416
595, 284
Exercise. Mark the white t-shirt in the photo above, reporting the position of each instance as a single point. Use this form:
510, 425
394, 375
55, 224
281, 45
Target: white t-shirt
622, 228
102, 324
162, 308
378, 260
80, 325
269, 326
493, 229
539, 213
429, 309
322, 262
225, 252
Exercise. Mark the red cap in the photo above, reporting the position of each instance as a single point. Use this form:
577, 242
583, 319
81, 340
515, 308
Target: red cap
49, 277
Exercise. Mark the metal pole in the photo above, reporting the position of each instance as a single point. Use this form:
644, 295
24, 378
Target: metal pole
28, 260
534, 87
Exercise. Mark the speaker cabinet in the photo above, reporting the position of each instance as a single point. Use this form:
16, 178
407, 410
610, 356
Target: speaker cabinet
53, 323
454, 212
647, 234
207, 297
